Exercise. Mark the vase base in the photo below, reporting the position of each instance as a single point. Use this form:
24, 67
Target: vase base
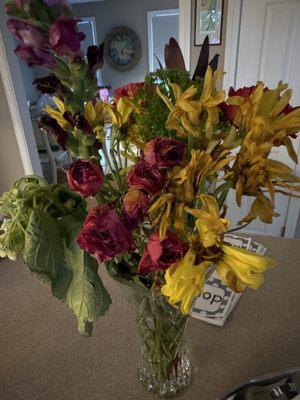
177, 382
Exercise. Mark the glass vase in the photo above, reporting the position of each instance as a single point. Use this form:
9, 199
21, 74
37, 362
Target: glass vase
165, 368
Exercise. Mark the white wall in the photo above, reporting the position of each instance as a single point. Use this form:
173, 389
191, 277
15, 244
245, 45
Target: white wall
10, 161
130, 13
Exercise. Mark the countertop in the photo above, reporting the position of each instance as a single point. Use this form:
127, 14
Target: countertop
42, 357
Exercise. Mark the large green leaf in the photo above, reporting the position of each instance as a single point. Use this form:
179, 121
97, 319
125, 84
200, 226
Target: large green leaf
43, 249
78, 282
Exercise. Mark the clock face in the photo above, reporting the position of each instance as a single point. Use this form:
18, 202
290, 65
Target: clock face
121, 49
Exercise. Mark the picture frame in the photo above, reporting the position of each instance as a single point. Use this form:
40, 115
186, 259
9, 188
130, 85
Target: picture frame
208, 21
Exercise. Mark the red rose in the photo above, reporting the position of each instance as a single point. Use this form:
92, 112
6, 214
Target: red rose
164, 152
160, 254
104, 234
146, 177
129, 90
85, 177
230, 110
136, 205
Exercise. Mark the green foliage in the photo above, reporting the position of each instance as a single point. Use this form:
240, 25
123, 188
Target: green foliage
41, 223
43, 250
78, 283
152, 122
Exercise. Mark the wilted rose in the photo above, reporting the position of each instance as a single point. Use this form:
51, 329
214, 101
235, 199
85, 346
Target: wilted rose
104, 234
28, 34
160, 254
136, 205
85, 177
146, 177
33, 56
54, 130
164, 152
129, 90
231, 110
64, 37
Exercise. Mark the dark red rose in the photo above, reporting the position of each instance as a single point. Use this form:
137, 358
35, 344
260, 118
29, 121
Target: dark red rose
54, 130
33, 56
64, 37
146, 177
129, 90
230, 110
160, 254
85, 177
136, 205
164, 152
28, 34
104, 234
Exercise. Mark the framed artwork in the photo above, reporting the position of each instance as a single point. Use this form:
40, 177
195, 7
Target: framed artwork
122, 48
208, 21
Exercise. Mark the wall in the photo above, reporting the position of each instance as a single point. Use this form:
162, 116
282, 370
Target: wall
195, 50
130, 13
10, 161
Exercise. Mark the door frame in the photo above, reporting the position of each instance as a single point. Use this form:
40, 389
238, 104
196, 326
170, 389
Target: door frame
150, 16
230, 66
16, 98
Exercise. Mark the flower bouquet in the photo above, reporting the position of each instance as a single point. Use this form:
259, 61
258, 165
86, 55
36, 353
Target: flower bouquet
159, 162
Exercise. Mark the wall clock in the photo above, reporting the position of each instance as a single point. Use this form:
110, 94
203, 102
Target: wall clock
122, 48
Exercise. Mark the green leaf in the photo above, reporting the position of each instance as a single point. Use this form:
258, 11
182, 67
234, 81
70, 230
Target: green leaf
78, 282
43, 250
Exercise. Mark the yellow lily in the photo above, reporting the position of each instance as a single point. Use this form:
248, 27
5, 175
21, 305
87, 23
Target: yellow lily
120, 114
211, 228
239, 268
57, 113
187, 114
185, 281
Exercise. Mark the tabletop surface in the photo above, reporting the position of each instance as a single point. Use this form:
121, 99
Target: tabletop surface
42, 357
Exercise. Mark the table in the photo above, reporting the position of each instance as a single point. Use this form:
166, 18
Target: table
43, 357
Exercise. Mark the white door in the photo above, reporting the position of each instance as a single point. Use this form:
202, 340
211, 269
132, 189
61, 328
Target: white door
269, 50
162, 25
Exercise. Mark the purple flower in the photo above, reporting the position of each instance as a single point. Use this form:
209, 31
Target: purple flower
28, 34
50, 126
64, 37
33, 56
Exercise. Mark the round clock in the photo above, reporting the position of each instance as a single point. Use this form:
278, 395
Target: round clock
122, 48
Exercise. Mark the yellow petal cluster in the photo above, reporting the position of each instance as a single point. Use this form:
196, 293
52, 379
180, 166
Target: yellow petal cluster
185, 281
239, 268
190, 115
